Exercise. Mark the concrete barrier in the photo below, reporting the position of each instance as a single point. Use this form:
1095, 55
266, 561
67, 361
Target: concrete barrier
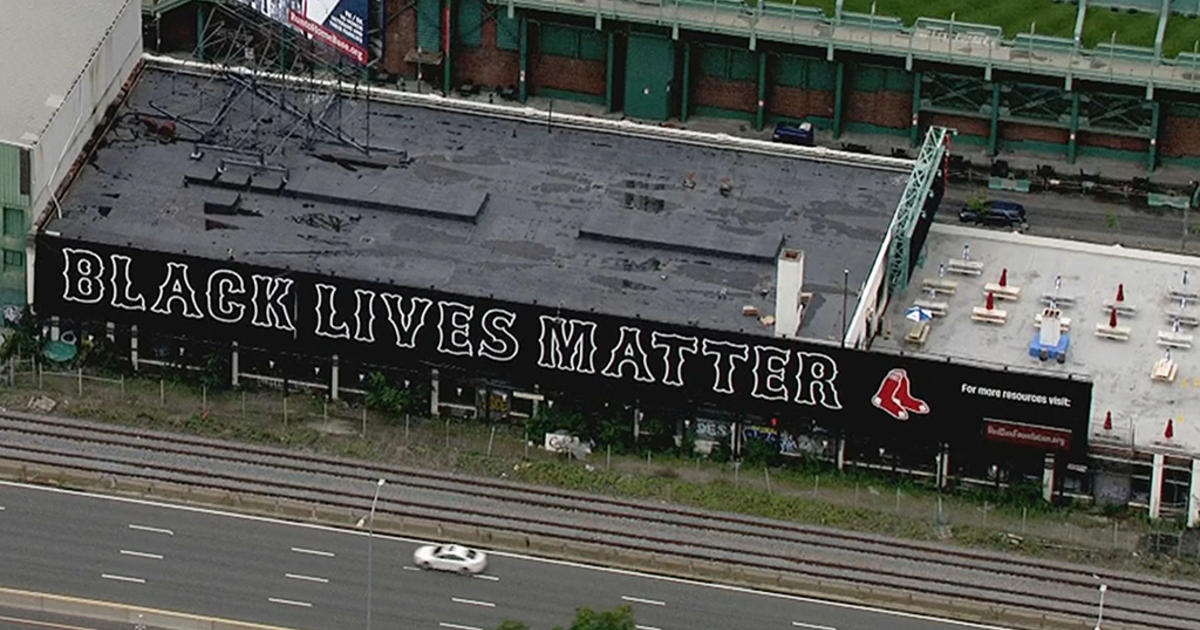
120, 613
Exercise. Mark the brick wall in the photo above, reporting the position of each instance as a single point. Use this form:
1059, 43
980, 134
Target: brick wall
1018, 132
883, 108
1122, 143
1180, 136
965, 125
796, 102
400, 38
486, 65
709, 91
564, 73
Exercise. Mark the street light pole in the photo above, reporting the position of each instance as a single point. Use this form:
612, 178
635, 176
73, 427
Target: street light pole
370, 537
1100, 611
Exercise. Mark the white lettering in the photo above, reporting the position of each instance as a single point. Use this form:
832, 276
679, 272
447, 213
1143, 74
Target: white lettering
177, 286
629, 351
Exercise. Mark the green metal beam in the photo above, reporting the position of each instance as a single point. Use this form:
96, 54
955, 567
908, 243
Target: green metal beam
994, 128
1152, 156
608, 73
522, 78
914, 132
912, 204
447, 46
838, 99
687, 81
761, 106
1072, 140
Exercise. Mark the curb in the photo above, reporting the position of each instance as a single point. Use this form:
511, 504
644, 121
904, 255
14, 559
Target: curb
597, 554
121, 613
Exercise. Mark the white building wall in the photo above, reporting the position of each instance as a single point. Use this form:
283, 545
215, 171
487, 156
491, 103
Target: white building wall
78, 113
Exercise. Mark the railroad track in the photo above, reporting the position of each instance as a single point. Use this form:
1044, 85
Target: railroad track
927, 569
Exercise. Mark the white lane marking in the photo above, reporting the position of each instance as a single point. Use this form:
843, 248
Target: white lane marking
289, 602
647, 628
307, 578
146, 528
639, 600
122, 578
505, 554
454, 626
141, 554
490, 578
408, 568
313, 552
472, 602
813, 626
2, 508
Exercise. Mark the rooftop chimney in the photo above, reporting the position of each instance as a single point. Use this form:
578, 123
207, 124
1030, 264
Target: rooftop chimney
789, 278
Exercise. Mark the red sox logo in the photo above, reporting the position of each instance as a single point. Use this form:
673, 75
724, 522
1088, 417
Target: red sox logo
894, 398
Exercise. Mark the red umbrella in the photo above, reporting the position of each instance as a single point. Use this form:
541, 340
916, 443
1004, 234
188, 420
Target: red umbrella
1170, 432
1108, 421
1004, 277
991, 303
1112, 318
1121, 292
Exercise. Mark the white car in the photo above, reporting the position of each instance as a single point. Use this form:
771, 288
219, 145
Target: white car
454, 558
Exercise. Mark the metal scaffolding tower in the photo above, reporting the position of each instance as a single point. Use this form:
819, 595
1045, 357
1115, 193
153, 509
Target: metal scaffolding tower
912, 204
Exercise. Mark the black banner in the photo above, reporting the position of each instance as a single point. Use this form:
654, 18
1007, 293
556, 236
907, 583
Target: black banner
305, 313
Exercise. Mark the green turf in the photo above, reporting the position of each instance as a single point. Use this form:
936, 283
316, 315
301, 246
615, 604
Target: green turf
1052, 18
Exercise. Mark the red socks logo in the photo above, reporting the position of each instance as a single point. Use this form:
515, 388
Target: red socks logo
894, 399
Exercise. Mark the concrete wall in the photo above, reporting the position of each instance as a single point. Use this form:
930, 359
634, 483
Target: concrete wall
81, 110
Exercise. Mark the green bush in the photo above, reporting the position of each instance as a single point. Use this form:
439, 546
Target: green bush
385, 397
760, 452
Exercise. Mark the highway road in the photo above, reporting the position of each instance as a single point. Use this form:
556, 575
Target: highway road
303, 576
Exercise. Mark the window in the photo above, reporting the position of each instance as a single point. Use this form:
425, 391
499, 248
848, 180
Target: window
470, 23
14, 222
25, 175
13, 259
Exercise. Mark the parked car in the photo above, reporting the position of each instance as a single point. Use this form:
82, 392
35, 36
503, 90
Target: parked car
994, 212
787, 133
454, 558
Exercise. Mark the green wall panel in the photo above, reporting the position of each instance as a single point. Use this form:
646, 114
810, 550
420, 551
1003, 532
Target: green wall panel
805, 72
649, 76
725, 62
593, 45
558, 40
468, 22
10, 177
508, 31
429, 24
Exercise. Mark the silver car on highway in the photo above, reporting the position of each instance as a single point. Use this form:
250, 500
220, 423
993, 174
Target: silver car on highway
455, 558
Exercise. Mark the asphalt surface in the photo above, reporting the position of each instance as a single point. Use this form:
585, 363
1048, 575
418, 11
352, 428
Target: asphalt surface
1082, 218
272, 572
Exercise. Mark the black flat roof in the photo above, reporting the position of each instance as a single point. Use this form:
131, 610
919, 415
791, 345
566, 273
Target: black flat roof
476, 205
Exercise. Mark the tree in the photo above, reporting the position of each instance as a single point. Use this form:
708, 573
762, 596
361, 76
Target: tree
617, 619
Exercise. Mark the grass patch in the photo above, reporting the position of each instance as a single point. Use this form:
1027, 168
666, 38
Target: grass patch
1053, 18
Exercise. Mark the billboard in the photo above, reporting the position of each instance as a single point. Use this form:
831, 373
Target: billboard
621, 358
339, 24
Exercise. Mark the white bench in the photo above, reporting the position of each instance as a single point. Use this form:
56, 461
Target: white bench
1174, 339
1176, 295
993, 316
1123, 308
938, 285
1118, 333
1002, 293
1185, 319
965, 267
918, 334
937, 309
1063, 301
